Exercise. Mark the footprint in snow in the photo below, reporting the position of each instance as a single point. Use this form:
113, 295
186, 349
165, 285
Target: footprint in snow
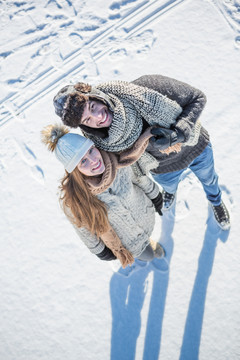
37, 174
30, 159
26, 153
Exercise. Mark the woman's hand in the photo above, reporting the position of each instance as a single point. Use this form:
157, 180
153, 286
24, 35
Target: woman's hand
158, 203
106, 254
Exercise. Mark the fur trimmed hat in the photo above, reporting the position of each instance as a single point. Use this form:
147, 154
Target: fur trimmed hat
69, 148
70, 101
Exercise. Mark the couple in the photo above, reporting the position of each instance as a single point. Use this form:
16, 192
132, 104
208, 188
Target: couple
151, 124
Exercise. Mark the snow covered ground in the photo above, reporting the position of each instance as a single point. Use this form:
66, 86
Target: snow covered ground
57, 300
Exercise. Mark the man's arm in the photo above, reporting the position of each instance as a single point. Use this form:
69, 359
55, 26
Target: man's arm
189, 98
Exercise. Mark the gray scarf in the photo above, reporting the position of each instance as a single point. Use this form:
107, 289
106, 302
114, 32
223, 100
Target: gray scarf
131, 103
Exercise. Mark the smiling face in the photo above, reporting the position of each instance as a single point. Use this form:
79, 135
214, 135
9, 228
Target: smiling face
92, 163
96, 115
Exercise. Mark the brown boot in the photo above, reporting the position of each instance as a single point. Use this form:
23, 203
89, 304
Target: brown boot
157, 249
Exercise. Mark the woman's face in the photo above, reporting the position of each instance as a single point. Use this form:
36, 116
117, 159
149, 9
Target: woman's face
92, 163
96, 115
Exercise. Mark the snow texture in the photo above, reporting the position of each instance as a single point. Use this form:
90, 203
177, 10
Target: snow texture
58, 301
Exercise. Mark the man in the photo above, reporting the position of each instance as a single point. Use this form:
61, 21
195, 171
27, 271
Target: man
115, 114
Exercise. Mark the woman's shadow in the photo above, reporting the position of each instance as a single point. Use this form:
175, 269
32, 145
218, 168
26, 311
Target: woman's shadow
127, 298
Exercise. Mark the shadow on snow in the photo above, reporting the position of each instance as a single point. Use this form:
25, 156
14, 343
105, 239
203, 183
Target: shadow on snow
128, 294
127, 298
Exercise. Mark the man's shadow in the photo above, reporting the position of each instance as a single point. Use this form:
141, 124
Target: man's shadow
127, 298
194, 321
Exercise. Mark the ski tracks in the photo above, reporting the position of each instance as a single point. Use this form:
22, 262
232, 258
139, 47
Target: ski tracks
66, 44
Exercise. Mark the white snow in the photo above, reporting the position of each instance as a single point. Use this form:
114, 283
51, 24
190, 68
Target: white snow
58, 301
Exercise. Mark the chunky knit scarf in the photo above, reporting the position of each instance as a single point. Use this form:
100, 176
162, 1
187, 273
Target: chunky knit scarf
131, 103
113, 162
99, 184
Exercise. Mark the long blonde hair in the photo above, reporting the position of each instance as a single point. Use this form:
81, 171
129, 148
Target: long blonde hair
81, 207
85, 209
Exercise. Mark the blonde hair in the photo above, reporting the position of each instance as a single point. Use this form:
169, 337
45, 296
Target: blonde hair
81, 207
86, 210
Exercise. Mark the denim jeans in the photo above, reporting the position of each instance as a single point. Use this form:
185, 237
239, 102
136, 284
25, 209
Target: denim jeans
203, 168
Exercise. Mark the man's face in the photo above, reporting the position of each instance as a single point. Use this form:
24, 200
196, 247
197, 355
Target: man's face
96, 115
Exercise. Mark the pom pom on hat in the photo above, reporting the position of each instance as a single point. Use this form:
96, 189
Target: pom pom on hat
69, 148
52, 133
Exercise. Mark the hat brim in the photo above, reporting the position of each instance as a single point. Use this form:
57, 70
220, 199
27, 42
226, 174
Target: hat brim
76, 159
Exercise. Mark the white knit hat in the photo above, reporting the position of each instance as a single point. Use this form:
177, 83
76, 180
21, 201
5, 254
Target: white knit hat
71, 148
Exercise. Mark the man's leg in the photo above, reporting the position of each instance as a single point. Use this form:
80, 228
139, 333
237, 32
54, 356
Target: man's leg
203, 168
169, 183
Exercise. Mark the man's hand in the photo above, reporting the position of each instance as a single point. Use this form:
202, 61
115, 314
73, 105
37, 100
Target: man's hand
163, 138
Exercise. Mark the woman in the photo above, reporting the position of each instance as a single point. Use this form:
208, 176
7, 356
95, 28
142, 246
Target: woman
110, 207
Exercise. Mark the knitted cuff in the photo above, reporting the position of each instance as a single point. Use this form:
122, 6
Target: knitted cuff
98, 248
183, 126
154, 193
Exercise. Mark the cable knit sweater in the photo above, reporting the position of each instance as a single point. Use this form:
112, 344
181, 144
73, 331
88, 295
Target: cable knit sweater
192, 102
130, 211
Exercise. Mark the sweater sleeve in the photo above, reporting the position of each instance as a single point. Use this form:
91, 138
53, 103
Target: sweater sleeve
150, 188
95, 245
189, 98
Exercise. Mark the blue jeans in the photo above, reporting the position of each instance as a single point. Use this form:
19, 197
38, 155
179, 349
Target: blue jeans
203, 168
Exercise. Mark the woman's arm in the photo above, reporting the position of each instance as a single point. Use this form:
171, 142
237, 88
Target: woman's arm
95, 245
151, 189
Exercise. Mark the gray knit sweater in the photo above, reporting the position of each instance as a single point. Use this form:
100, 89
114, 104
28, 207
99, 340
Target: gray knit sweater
192, 102
130, 211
